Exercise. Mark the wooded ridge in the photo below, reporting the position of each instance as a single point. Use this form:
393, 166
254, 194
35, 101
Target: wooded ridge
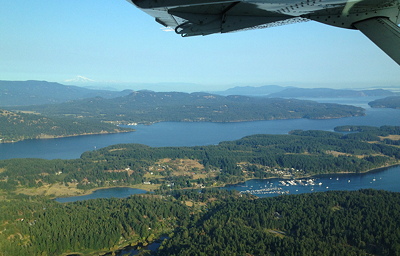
150, 107
16, 126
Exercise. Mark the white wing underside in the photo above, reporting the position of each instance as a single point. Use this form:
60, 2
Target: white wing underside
377, 19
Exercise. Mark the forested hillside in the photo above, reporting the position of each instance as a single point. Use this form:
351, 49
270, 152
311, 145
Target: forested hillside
148, 107
333, 223
21, 126
205, 222
329, 93
388, 102
300, 154
39, 226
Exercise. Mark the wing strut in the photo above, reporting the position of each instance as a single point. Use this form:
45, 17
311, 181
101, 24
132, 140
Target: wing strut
384, 33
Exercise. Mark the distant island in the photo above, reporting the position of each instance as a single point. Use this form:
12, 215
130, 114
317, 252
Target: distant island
296, 92
388, 102
150, 107
16, 126
329, 93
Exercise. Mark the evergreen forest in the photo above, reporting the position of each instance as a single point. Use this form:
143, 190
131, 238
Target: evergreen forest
331, 223
388, 102
205, 222
16, 126
150, 107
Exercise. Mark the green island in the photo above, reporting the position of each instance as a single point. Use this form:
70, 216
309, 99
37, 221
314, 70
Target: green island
388, 102
16, 126
197, 217
102, 115
151, 107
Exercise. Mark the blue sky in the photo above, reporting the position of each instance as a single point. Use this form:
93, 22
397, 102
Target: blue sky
113, 41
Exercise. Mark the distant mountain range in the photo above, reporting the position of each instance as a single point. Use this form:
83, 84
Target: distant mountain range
329, 93
276, 91
24, 93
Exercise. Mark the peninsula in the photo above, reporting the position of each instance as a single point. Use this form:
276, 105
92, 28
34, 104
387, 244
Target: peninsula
17, 126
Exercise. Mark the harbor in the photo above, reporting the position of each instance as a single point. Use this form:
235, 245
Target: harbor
384, 178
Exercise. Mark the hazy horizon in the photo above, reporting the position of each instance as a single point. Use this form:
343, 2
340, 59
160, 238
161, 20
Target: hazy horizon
193, 87
112, 41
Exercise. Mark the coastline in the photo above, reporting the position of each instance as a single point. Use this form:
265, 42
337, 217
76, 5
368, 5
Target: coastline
311, 176
46, 136
243, 120
70, 191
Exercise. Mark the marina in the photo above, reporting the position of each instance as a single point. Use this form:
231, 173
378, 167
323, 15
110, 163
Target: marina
384, 178
380, 179
265, 191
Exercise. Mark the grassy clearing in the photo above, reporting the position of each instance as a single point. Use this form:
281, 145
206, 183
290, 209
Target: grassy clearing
390, 137
336, 153
53, 190
181, 166
148, 187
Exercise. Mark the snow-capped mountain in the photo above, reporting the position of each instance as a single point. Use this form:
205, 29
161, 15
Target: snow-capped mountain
80, 79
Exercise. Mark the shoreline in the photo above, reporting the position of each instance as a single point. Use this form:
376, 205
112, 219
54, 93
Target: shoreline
316, 175
50, 137
150, 188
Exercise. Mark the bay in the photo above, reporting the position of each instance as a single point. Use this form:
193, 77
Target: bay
191, 134
381, 179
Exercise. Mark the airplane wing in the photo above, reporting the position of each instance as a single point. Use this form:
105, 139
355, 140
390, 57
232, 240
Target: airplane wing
377, 19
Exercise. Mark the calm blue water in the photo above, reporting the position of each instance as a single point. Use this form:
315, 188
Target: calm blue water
103, 193
191, 134
386, 179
